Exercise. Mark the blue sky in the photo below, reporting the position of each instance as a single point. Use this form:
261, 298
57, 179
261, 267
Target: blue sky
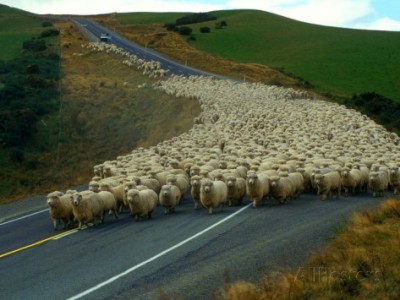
361, 14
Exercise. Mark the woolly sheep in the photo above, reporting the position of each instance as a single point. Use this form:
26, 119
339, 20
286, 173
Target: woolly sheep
60, 209
118, 192
181, 181
328, 184
378, 183
236, 189
257, 187
281, 188
213, 194
298, 183
142, 203
109, 203
195, 182
394, 179
169, 197
351, 180
87, 207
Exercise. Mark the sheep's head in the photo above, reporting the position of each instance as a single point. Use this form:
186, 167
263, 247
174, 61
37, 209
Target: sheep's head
274, 180
166, 190
230, 181
195, 180
76, 199
319, 179
207, 185
252, 178
51, 201
132, 195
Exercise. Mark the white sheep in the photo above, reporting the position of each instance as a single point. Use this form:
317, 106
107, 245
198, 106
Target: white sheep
60, 208
236, 189
118, 192
195, 182
378, 183
257, 187
328, 184
87, 207
109, 203
351, 180
298, 183
281, 188
213, 194
181, 181
394, 179
142, 203
169, 197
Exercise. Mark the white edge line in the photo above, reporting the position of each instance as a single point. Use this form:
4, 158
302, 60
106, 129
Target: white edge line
116, 277
24, 217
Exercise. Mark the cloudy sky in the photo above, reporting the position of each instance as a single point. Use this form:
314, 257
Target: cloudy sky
362, 14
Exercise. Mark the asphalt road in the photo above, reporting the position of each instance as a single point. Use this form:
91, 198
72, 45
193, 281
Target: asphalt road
188, 254
93, 31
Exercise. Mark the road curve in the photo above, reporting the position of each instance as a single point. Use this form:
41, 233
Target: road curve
93, 31
187, 253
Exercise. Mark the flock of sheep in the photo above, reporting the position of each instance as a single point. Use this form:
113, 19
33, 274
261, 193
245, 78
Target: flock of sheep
251, 141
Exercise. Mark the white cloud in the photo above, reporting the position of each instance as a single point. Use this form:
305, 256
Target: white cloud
342, 13
387, 24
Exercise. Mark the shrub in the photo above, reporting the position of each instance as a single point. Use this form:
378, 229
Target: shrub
171, 27
50, 32
47, 24
34, 45
194, 18
220, 25
184, 30
205, 29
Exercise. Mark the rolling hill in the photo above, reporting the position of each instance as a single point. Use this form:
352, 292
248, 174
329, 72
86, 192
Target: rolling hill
335, 61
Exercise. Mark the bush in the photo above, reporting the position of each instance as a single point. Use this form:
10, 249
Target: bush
34, 45
194, 18
47, 24
205, 29
171, 27
50, 32
184, 30
220, 25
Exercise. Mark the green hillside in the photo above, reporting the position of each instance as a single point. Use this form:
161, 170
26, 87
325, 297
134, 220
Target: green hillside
16, 26
334, 60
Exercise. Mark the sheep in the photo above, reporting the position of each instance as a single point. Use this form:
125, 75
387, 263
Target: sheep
236, 189
109, 203
169, 197
298, 183
394, 179
118, 192
142, 203
213, 194
87, 207
281, 188
328, 184
181, 181
94, 186
60, 209
351, 180
151, 183
257, 187
378, 183
195, 182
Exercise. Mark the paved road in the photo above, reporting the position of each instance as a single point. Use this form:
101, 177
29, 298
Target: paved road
93, 31
188, 253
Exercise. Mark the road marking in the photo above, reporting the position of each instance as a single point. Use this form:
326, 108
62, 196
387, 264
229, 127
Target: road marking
24, 217
54, 237
116, 277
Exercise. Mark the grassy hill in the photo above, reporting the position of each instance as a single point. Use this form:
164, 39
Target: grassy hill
16, 26
97, 113
336, 61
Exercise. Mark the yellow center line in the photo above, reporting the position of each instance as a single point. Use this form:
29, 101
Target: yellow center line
38, 243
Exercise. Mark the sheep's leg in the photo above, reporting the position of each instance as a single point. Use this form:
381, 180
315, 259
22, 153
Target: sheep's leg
210, 210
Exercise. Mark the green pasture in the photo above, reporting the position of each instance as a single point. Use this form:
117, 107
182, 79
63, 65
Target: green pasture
16, 26
338, 61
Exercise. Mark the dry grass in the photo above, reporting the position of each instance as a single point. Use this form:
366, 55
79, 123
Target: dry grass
360, 263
